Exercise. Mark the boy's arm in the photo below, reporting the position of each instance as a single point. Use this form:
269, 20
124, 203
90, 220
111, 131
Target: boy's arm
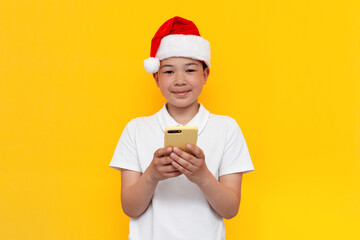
137, 188
223, 195
136, 192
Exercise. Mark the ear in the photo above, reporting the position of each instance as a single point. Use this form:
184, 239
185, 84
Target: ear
206, 73
155, 75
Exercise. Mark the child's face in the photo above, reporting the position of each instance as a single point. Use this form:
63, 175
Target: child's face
181, 80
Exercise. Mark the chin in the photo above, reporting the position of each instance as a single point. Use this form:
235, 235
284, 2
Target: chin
180, 104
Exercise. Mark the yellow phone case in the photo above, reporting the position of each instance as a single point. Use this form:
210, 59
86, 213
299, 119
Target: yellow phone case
180, 136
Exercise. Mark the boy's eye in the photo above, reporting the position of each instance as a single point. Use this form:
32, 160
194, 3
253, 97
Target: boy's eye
168, 72
191, 70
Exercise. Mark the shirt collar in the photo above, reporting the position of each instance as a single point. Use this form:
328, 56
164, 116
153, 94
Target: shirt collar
199, 120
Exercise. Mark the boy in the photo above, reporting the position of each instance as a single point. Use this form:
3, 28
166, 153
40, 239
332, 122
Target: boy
168, 193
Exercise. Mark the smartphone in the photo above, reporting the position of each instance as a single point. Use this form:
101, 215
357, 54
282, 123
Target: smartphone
180, 136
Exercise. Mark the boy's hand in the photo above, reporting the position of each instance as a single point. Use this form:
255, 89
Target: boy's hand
192, 166
160, 167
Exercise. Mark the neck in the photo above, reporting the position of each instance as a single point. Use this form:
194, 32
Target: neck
183, 115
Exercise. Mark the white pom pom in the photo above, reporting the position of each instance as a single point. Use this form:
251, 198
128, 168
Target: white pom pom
152, 65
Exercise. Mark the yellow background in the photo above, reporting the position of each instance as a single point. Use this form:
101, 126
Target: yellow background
71, 77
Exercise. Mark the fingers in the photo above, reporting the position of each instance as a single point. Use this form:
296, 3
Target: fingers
163, 163
180, 168
172, 162
184, 159
162, 152
182, 154
195, 150
160, 162
167, 168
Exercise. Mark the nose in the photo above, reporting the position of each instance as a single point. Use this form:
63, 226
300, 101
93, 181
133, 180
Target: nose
180, 80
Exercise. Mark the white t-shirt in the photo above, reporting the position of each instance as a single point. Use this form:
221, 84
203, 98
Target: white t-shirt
178, 209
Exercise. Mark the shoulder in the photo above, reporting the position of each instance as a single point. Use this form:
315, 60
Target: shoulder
226, 125
140, 121
142, 124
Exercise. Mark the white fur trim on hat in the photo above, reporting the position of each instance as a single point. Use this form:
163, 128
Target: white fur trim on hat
178, 45
152, 65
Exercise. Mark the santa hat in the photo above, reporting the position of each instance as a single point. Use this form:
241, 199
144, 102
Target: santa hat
177, 37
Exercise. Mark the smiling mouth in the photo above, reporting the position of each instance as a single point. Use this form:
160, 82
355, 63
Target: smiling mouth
181, 93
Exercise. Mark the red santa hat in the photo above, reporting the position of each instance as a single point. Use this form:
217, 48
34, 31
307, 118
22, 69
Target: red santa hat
177, 37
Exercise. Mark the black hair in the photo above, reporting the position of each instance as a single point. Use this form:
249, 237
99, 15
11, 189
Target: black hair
204, 66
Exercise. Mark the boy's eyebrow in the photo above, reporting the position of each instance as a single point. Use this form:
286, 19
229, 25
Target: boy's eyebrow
167, 65
192, 63
187, 64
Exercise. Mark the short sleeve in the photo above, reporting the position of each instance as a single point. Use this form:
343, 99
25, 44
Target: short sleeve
236, 157
125, 155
